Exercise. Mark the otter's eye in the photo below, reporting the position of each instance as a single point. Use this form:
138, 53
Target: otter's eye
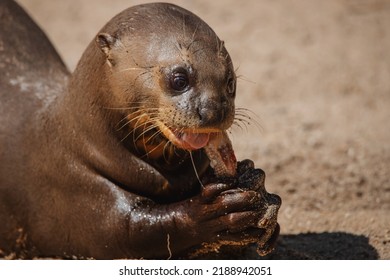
179, 81
231, 86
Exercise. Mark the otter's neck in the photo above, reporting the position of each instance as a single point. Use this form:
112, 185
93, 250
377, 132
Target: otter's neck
87, 116
89, 92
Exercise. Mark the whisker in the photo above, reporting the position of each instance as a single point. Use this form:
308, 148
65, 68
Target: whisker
175, 150
242, 124
184, 25
158, 132
143, 137
152, 150
127, 120
146, 131
139, 114
193, 36
127, 107
236, 123
178, 46
194, 166
242, 78
247, 112
198, 50
150, 78
130, 69
247, 117
136, 126
236, 70
193, 40
139, 76
167, 145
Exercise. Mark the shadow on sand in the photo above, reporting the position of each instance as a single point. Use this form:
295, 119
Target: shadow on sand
309, 246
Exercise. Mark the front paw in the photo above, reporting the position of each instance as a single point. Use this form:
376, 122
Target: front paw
221, 208
255, 221
238, 211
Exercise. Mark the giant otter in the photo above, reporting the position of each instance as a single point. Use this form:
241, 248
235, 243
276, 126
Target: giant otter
110, 161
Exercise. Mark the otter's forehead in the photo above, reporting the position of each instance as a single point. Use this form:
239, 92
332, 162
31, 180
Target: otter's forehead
197, 50
162, 17
162, 33
157, 19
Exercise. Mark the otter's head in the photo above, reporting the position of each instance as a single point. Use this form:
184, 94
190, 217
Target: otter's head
171, 73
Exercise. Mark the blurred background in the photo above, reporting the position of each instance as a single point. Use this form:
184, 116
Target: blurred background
316, 75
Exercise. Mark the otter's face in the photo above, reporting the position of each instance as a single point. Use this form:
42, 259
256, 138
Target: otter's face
197, 88
182, 86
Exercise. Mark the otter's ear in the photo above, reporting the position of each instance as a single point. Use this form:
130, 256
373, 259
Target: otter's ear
106, 42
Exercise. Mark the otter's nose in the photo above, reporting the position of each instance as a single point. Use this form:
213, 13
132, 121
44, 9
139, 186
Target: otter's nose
213, 113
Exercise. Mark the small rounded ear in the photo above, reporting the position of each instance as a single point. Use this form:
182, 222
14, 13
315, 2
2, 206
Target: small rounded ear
105, 41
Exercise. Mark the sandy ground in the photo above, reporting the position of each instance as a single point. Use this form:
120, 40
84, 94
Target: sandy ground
317, 75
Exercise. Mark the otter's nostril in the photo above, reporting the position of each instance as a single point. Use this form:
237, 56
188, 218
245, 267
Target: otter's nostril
210, 116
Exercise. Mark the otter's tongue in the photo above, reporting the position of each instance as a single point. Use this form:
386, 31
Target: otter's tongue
195, 140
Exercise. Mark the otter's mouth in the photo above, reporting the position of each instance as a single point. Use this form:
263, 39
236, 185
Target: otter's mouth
187, 139
190, 140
